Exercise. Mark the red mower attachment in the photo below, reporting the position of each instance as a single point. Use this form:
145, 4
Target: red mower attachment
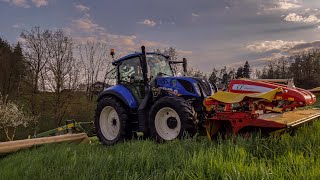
249, 105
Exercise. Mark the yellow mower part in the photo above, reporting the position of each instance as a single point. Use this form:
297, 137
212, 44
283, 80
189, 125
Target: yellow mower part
230, 98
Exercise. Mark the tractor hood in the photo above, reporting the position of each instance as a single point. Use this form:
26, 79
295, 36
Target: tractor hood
185, 86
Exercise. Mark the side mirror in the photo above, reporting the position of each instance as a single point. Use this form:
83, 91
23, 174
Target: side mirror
185, 65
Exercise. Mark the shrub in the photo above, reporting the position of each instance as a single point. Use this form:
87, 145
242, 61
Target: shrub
13, 116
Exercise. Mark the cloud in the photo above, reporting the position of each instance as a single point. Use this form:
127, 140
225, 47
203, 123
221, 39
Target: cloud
272, 50
20, 39
122, 40
87, 25
285, 5
184, 53
195, 14
40, 3
67, 30
148, 22
18, 25
279, 5
25, 4
306, 46
311, 18
85, 29
293, 17
82, 8
129, 40
256, 64
279, 45
18, 3
153, 44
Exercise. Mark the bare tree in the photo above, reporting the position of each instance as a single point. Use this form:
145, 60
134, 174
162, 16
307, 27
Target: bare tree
94, 60
62, 74
35, 43
195, 72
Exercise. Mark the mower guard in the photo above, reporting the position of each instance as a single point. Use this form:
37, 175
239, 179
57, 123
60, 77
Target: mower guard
292, 119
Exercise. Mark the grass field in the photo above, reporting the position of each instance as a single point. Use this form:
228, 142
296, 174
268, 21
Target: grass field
294, 156
290, 157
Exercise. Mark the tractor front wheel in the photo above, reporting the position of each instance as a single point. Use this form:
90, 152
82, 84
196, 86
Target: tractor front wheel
110, 121
171, 118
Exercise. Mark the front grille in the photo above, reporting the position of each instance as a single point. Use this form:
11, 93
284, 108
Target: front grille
204, 86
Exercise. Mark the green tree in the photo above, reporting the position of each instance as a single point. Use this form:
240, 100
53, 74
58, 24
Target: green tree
239, 73
12, 69
224, 76
246, 70
213, 76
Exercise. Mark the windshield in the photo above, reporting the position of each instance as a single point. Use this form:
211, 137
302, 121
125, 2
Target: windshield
158, 64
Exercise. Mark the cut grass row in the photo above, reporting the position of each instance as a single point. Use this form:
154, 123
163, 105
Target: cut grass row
290, 157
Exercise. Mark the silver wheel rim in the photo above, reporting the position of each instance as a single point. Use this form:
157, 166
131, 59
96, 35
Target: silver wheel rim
161, 124
109, 123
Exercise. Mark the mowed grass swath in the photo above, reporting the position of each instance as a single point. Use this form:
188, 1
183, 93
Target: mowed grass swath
288, 157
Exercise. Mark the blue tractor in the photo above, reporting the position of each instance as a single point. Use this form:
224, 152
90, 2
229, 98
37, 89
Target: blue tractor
149, 99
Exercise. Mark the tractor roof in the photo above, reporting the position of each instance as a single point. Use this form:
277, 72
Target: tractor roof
134, 55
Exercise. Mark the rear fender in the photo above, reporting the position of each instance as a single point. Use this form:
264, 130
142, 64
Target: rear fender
122, 93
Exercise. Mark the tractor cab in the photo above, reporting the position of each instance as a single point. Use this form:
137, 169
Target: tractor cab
138, 70
132, 75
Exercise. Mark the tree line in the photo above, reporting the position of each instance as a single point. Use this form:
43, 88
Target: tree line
47, 68
224, 75
303, 67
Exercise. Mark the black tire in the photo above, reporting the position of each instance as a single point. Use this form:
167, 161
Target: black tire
123, 120
184, 111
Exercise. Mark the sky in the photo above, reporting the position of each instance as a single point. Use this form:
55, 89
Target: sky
209, 33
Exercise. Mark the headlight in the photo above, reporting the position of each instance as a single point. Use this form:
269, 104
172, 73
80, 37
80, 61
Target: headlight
197, 88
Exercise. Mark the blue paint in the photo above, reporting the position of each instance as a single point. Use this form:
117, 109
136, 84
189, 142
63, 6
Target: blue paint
125, 93
173, 83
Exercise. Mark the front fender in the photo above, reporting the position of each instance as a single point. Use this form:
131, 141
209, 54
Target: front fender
122, 93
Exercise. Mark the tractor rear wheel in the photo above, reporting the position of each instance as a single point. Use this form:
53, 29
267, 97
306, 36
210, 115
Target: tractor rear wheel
171, 118
110, 121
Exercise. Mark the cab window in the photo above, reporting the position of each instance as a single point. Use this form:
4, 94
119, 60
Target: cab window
158, 64
130, 70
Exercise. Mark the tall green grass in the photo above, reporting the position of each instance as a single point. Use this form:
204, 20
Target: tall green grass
289, 157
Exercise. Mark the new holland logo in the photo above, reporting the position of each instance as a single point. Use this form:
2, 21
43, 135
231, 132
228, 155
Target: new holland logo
174, 83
